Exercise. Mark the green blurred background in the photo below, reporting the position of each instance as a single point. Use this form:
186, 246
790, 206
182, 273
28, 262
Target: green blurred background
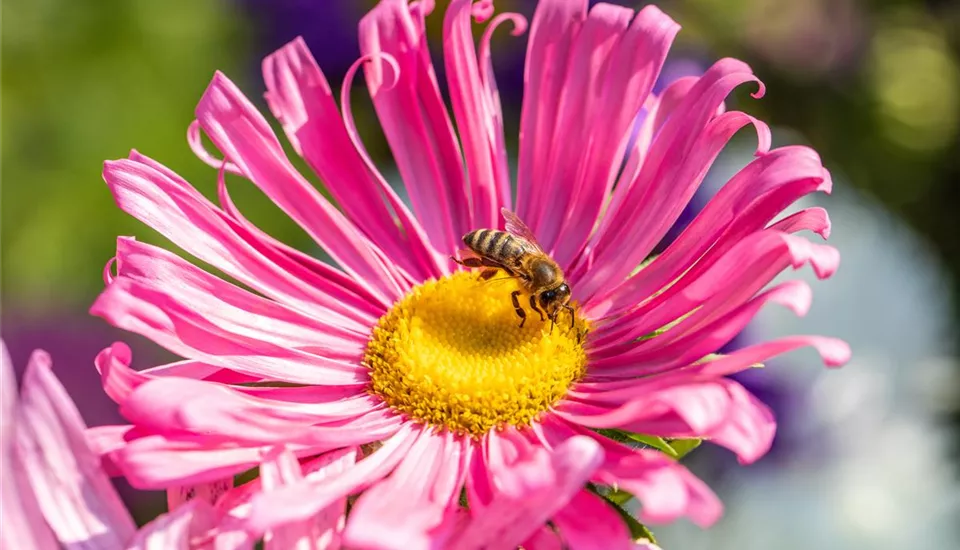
873, 86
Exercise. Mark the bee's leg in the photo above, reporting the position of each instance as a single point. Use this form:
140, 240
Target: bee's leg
468, 262
573, 315
516, 305
533, 304
487, 273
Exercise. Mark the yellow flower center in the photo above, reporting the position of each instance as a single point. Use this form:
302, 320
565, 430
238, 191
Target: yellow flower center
451, 353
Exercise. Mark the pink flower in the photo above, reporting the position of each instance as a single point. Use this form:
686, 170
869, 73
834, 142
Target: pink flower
409, 382
55, 493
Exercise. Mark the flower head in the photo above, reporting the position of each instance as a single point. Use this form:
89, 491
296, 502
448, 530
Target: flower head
461, 417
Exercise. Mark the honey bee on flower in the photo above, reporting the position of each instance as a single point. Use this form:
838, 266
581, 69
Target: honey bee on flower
517, 253
398, 383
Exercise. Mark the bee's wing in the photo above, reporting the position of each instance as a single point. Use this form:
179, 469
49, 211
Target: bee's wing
515, 226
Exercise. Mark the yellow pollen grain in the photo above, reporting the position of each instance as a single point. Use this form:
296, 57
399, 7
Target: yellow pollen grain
451, 354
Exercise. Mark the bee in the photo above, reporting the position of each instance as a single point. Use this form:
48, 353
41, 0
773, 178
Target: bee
516, 252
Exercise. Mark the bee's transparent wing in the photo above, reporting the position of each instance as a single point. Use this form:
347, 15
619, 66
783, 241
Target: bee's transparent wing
515, 226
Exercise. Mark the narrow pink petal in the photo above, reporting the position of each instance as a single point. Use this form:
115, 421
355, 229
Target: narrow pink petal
237, 129
598, 124
176, 530
104, 440
544, 539
402, 511
657, 110
750, 200
166, 203
579, 104
530, 490
232, 308
678, 159
589, 523
338, 291
320, 532
73, 492
809, 219
833, 352
492, 96
23, 522
553, 33
415, 121
172, 405
749, 428
133, 306
478, 117
299, 502
720, 410
324, 529
206, 492
666, 490
745, 268
705, 331
300, 97
155, 461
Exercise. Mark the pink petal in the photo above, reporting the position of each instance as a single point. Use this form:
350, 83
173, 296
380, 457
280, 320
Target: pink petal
206, 492
234, 309
177, 326
612, 72
589, 523
172, 207
682, 407
154, 461
415, 121
323, 529
300, 97
553, 33
544, 539
176, 530
320, 532
530, 490
304, 500
751, 199
658, 110
172, 405
705, 331
666, 490
833, 352
237, 129
492, 96
478, 116
679, 158
748, 266
23, 522
72, 491
402, 511
749, 428
810, 219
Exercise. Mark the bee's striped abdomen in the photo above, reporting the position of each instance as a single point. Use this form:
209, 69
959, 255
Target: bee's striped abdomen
497, 245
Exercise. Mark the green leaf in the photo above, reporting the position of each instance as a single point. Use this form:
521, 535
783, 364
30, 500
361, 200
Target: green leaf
682, 447
637, 530
657, 443
674, 448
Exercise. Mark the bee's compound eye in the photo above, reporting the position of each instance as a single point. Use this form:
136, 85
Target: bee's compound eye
548, 295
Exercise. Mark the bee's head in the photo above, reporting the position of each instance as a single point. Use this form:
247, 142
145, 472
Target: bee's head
552, 300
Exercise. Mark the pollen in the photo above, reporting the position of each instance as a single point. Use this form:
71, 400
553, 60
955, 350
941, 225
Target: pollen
451, 354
